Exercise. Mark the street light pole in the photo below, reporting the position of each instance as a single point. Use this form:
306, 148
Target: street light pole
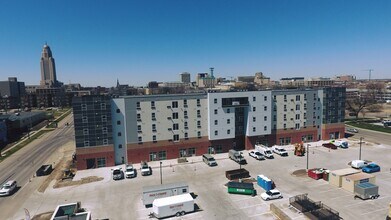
359, 156
240, 163
307, 154
161, 180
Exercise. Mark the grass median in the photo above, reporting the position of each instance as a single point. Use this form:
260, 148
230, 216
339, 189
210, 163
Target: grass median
365, 125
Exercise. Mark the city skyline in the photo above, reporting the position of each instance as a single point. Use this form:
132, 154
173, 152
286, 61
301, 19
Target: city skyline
137, 42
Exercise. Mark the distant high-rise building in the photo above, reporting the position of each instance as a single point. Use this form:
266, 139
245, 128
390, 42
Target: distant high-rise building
48, 68
185, 77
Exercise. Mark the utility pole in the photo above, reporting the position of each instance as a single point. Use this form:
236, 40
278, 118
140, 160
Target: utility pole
161, 180
307, 154
359, 157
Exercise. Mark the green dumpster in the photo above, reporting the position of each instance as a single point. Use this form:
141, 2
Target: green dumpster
241, 188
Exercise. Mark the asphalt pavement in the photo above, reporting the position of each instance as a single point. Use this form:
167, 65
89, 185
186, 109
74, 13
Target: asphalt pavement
22, 165
372, 136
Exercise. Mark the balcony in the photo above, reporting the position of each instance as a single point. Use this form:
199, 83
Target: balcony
235, 102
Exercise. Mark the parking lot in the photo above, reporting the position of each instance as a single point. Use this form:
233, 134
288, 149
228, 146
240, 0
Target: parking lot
122, 199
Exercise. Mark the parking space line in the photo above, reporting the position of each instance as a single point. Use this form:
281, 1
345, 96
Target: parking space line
249, 206
355, 204
383, 209
259, 214
326, 191
341, 197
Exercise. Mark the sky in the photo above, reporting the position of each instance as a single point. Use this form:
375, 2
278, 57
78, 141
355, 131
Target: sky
96, 42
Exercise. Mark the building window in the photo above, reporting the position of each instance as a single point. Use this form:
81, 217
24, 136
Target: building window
254, 119
120, 146
254, 98
185, 114
297, 126
104, 130
305, 97
284, 117
140, 139
86, 143
254, 109
154, 138
185, 103
305, 115
298, 98
199, 124
216, 122
154, 127
284, 98
265, 108
216, 133
175, 137
215, 101
198, 134
138, 105
284, 108
186, 135
191, 151
297, 116
254, 129
138, 127
105, 141
119, 134
198, 103
153, 156
138, 117
162, 155
85, 131
175, 115
215, 111
274, 117
174, 104
284, 126
118, 122
104, 118
265, 128
152, 104
228, 121
305, 106
84, 107
101, 162
265, 98
103, 106
228, 131
228, 110
265, 118
297, 107
153, 116
175, 127
118, 111
198, 113
186, 127
84, 119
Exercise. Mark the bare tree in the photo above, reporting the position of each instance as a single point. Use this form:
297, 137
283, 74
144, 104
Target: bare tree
356, 105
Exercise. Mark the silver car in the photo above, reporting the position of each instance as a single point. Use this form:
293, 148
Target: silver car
8, 188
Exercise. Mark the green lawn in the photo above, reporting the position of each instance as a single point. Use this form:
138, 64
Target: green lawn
369, 126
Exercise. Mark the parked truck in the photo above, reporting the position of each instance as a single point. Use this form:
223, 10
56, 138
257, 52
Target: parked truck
173, 206
236, 156
145, 169
266, 151
150, 193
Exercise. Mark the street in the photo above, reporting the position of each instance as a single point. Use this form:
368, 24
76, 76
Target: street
22, 165
372, 136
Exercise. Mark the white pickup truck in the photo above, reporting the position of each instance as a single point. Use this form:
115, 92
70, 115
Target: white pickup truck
280, 151
145, 169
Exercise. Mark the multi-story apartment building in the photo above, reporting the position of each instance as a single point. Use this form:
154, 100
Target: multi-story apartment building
159, 127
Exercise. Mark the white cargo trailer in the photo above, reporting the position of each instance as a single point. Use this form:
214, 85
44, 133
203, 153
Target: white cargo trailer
150, 193
173, 205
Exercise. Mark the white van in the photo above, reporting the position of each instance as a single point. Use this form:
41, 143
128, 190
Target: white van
266, 151
209, 160
358, 164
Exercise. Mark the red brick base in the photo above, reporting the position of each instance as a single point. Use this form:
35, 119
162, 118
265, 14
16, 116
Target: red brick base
92, 153
329, 130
